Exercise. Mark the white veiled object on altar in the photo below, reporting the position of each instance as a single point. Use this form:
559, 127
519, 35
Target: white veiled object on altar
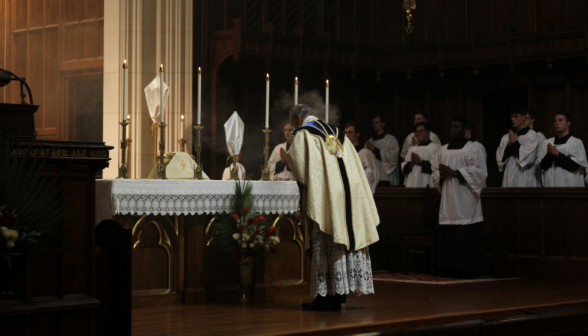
234, 129
154, 99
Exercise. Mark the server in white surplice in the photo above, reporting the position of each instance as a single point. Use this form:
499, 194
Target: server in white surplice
278, 161
459, 172
385, 148
417, 163
530, 121
367, 157
562, 159
411, 139
518, 151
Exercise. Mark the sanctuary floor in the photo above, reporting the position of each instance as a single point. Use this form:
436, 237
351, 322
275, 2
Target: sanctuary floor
395, 306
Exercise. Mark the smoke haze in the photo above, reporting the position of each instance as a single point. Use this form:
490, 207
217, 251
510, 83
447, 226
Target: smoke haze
311, 98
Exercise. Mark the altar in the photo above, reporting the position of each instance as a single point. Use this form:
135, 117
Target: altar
173, 259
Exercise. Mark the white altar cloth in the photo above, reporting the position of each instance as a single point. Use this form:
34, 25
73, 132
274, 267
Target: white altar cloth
188, 197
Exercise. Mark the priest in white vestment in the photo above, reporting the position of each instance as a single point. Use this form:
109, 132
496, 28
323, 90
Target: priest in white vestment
562, 159
517, 153
337, 207
530, 121
367, 157
385, 148
459, 172
411, 139
417, 164
278, 161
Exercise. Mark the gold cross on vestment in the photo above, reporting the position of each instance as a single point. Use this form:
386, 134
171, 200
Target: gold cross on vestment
183, 164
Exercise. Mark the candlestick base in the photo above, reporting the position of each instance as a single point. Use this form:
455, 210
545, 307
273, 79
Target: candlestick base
161, 165
182, 143
265, 175
122, 170
198, 150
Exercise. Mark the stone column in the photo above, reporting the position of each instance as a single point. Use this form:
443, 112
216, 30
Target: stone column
146, 33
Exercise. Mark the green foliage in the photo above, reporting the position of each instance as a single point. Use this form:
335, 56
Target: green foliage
34, 198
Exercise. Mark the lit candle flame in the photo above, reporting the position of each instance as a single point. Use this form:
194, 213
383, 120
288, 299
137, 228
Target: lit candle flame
296, 80
327, 83
161, 68
128, 117
267, 77
182, 117
124, 64
199, 72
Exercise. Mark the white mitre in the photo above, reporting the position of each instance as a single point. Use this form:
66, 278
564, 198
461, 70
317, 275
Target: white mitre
153, 98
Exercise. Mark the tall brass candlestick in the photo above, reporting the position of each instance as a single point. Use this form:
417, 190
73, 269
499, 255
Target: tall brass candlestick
265, 172
161, 167
122, 170
198, 148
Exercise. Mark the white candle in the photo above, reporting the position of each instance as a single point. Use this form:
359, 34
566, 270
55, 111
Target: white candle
199, 95
267, 92
327, 104
296, 91
182, 127
125, 88
161, 107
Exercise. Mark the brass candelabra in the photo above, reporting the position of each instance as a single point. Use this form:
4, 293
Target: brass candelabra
161, 165
265, 175
198, 149
122, 170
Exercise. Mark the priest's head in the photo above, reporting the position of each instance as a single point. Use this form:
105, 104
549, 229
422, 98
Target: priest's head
352, 131
458, 127
422, 131
298, 113
420, 116
288, 130
518, 115
378, 123
563, 121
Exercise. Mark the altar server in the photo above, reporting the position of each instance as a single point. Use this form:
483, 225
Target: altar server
563, 158
530, 121
417, 164
411, 139
278, 161
338, 210
518, 151
385, 148
367, 157
229, 166
470, 136
459, 172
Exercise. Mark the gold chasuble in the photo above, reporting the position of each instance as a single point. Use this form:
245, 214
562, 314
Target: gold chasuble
336, 193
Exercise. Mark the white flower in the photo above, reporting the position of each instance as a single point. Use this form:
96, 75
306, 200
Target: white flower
13, 233
276, 240
251, 245
267, 247
246, 236
10, 244
5, 232
244, 245
236, 236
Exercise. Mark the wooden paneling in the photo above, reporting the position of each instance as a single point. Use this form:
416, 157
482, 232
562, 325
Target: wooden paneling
47, 40
544, 226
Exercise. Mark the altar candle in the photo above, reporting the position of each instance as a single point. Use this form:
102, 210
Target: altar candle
125, 88
199, 109
267, 92
161, 108
296, 91
327, 104
129, 121
182, 127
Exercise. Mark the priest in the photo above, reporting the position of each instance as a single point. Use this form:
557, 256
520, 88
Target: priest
385, 148
367, 157
518, 151
411, 139
459, 172
417, 164
337, 208
563, 158
278, 161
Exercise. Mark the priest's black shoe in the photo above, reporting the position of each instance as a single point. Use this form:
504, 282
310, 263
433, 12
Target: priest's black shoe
322, 303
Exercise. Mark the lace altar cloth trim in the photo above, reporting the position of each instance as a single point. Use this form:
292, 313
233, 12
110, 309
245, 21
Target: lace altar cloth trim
190, 197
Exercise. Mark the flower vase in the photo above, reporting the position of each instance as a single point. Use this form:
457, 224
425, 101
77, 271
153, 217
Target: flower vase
245, 266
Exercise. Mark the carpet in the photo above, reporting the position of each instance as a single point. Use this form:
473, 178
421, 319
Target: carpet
426, 279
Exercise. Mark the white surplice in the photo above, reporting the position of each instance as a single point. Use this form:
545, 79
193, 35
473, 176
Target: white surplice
408, 143
284, 175
389, 150
370, 167
460, 203
557, 176
538, 171
416, 178
519, 171
241, 172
